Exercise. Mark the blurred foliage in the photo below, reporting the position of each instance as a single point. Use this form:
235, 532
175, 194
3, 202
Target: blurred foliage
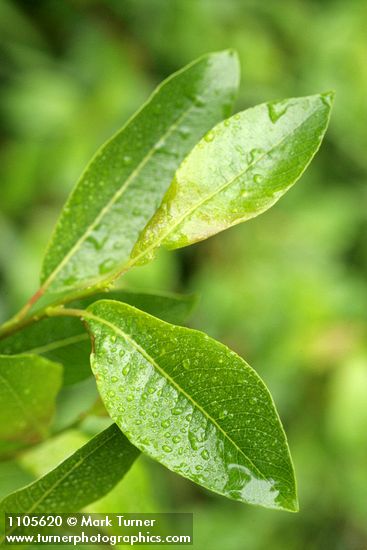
287, 290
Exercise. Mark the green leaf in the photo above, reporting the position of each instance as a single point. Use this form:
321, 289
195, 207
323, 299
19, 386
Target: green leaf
64, 339
87, 475
192, 404
126, 180
134, 492
74, 402
28, 390
237, 171
12, 477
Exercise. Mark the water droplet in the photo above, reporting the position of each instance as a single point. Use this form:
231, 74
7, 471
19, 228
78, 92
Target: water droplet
130, 398
189, 417
199, 101
276, 111
223, 414
167, 448
97, 243
107, 265
184, 132
258, 178
126, 160
165, 423
327, 98
125, 371
186, 363
159, 146
193, 441
114, 379
176, 439
111, 393
176, 411
205, 454
254, 154
198, 467
209, 136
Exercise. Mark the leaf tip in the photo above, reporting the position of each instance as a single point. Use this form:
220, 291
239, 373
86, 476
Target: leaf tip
328, 97
228, 60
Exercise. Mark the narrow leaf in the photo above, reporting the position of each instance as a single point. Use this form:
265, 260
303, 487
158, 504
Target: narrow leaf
64, 339
28, 389
87, 475
126, 180
237, 171
192, 404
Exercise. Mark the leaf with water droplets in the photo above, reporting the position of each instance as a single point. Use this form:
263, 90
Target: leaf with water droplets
28, 389
126, 180
86, 476
64, 339
192, 404
237, 171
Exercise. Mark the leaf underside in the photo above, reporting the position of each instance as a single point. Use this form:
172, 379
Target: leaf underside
28, 388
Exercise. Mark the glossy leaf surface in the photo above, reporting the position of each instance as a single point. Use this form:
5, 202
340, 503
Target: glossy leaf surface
28, 390
87, 475
65, 340
126, 180
192, 404
237, 171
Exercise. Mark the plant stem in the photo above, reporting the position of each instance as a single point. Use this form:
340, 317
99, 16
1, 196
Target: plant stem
61, 311
20, 320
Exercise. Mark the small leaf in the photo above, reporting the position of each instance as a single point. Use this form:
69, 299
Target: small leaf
237, 171
126, 180
28, 390
64, 339
87, 475
192, 404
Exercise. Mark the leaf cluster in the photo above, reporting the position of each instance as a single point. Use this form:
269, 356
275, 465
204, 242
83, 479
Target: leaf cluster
180, 171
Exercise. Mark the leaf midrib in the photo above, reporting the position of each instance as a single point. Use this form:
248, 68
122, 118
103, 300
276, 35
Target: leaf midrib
57, 344
61, 479
115, 197
220, 189
173, 383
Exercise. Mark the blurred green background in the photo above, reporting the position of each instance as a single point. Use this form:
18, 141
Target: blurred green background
287, 290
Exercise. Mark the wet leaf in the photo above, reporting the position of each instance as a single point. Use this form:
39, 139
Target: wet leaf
192, 404
86, 476
28, 390
126, 180
237, 171
64, 339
